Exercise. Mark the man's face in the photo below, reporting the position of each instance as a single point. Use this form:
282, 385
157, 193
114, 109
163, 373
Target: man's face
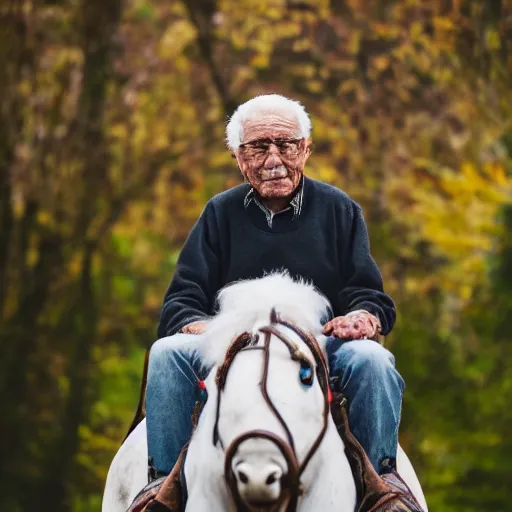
271, 156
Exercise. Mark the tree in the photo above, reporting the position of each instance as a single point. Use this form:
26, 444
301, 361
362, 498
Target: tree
111, 140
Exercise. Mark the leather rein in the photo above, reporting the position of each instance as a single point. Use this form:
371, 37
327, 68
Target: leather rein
291, 485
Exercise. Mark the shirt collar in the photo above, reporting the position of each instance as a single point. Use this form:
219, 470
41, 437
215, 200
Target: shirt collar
295, 203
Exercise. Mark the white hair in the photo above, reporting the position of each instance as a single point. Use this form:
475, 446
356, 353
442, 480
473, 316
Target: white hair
265, 103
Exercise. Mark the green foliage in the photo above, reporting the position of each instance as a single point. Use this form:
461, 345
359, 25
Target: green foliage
111, 141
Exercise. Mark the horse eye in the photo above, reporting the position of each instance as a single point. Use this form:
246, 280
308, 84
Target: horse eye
306, 374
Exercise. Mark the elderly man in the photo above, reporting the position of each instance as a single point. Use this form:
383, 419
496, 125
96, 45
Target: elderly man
278, 219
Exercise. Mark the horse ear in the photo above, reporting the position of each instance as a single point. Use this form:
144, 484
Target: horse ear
273, 316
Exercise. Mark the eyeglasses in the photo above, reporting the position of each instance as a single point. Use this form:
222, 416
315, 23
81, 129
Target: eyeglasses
259, 148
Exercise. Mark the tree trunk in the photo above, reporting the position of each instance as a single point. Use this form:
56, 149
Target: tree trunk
201, 14
58, 470
100, 22
14, 56
17, 56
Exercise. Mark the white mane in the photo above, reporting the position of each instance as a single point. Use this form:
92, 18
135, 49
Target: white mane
246, 306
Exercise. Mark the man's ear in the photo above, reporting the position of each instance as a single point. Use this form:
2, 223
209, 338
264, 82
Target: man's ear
309, 145
244, 175
235, 156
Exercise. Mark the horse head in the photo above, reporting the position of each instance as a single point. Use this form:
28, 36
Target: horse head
272, 389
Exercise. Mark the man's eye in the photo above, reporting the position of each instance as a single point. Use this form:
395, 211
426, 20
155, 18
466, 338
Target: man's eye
287, 146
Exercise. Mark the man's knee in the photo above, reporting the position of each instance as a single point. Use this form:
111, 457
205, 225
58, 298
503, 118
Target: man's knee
368, 353
166, 352
364, 361
362, 356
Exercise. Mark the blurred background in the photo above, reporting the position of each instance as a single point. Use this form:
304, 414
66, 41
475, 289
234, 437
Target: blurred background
112, 117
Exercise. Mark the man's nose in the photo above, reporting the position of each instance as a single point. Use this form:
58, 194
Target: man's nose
273, 158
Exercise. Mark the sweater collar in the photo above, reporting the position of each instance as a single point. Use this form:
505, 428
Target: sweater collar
295, 203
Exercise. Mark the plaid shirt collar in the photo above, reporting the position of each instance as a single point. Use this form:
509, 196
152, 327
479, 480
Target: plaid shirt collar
295, 203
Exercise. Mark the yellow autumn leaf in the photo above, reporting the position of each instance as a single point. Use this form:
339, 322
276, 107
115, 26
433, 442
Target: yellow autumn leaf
260, 60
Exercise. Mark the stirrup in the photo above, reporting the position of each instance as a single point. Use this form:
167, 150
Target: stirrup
146, 495
404, 498
165, 493
157, 506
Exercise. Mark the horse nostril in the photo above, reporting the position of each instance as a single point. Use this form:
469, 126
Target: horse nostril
243, 477
271, 478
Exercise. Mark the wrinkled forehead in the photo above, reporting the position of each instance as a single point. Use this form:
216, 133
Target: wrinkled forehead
270, 124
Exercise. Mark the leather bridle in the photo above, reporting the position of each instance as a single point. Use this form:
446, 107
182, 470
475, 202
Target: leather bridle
291, 487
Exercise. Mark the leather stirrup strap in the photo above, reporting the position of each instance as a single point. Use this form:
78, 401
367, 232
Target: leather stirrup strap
374, 493
156, 506
370, 487
169, 497
171, 492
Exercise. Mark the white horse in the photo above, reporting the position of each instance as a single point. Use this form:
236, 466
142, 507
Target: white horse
257, 465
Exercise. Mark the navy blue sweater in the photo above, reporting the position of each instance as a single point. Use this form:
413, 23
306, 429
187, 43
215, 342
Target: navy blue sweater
326, 244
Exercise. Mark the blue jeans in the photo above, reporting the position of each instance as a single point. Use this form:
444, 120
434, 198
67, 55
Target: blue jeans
363, 370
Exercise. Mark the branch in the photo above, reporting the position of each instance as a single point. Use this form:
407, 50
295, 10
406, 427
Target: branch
201, 12
130, 193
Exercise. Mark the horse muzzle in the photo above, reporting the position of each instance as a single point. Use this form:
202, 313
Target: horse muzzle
260, 483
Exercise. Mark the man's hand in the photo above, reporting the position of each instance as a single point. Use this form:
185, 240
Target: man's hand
195, 327
356, 325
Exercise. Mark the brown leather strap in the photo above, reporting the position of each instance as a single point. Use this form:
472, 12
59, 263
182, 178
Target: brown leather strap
385, 504
157, 506
374, 493
323, 378
244, 342
290, 483
170, 494
370, 487
145, 496
404, 498
164, 495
